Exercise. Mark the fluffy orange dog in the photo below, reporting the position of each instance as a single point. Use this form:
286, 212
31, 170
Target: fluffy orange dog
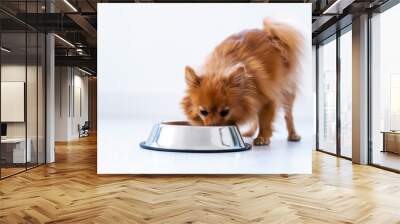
245, 80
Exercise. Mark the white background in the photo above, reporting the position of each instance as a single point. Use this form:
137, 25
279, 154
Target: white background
142, 52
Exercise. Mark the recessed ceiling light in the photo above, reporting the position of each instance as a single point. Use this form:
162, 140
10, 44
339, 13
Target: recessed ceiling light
65, 41
5, 50
70, 5
84, 71
338, 6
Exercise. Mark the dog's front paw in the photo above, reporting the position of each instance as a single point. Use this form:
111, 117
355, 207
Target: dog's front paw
294, 137
261, 141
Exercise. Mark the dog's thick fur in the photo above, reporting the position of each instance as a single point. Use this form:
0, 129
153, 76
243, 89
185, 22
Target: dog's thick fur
245, 80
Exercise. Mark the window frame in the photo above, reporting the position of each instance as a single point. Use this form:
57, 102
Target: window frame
334, 37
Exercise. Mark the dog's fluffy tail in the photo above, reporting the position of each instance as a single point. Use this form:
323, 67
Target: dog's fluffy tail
287, 40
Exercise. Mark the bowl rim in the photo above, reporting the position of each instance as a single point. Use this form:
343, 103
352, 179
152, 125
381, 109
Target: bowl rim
184, 124
187, 124
246, 147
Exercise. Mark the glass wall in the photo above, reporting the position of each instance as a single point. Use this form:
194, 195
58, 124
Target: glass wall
346, 93
385, 89
327, 96
22, 98
13, 90
334, 62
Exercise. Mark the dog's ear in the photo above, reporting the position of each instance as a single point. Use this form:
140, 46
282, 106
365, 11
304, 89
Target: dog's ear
192, 79
237, 75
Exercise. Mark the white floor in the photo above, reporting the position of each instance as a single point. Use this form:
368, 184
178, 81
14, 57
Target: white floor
119, 153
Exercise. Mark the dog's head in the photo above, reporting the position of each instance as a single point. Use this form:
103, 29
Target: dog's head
218, 99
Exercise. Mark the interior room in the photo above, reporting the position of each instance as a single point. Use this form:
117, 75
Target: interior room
22, 101
54, 169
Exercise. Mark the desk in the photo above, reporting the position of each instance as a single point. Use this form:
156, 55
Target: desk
391, 141
15, 148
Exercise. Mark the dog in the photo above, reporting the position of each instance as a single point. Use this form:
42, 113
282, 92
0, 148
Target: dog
245, 80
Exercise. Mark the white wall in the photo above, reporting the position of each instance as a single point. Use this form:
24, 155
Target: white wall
79, 117
141, 64
69, 82
62, 81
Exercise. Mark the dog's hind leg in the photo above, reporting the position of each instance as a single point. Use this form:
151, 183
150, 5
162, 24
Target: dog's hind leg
288, 109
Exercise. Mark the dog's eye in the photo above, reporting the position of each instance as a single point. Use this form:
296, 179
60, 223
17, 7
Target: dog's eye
224, 113
204, 113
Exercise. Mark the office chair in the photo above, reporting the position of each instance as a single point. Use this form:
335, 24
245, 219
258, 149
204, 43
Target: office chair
84, 130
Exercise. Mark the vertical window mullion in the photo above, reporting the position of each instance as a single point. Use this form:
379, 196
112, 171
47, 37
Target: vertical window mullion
0, 92
338, 98
317, 95
26, 86
369, 78
37, 90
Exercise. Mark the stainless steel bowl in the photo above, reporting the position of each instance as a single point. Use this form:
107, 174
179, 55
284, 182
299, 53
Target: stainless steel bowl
181, 137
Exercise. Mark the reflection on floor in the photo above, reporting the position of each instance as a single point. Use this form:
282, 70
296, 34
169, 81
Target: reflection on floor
8, 169
70, 191
386, 159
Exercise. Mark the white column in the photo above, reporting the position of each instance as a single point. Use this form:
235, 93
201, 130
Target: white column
360, 90
63, 99
50, 92
50, 99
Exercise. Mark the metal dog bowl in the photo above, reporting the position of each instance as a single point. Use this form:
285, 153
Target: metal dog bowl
181, 137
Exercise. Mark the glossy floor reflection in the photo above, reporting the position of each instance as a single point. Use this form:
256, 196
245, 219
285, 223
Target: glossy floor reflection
386, 159
70, 191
